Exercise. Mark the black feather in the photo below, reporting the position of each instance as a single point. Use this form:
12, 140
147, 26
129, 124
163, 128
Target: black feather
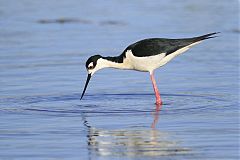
154, 46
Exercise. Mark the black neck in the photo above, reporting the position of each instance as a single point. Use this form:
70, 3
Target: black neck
116, 59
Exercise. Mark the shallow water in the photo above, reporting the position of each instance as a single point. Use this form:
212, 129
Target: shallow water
43, 49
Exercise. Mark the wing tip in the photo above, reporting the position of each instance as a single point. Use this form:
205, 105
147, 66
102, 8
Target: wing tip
208, 36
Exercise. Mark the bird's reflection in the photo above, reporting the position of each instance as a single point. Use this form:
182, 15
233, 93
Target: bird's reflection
135, 141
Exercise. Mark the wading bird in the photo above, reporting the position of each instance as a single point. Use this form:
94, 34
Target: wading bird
146, 56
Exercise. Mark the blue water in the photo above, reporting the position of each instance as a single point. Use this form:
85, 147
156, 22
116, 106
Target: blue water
43, 49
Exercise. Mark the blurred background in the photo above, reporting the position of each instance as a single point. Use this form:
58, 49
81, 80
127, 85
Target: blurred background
43, 49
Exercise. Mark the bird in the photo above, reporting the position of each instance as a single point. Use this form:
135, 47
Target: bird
145, 55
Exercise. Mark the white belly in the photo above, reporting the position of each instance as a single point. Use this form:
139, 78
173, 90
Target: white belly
144, 64
150, 63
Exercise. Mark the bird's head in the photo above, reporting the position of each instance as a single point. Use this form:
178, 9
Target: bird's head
93, 64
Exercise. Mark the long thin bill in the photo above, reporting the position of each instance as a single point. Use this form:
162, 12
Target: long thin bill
88, 79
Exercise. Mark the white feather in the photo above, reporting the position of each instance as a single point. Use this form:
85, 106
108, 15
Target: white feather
150, 63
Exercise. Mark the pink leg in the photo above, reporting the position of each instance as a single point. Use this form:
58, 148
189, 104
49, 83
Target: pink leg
157, 94
156, 116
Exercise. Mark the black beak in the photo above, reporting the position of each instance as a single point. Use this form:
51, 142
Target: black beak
88, 79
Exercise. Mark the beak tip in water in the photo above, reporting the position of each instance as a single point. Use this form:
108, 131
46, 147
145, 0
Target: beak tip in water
88, 79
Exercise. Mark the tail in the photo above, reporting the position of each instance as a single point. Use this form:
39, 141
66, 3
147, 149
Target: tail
206, 36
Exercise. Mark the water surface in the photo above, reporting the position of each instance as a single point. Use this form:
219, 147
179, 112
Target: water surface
43, 49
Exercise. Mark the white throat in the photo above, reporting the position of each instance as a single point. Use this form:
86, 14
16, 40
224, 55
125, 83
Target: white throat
104, 63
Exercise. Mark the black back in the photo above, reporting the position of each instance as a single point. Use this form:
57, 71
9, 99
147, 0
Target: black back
154, 46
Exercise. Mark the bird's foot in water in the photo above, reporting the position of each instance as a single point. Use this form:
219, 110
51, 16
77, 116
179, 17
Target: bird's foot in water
159, 103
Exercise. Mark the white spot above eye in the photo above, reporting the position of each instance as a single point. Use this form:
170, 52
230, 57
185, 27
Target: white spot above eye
90, 65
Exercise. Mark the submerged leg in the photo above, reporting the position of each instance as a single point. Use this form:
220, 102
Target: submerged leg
157, 94
156, 116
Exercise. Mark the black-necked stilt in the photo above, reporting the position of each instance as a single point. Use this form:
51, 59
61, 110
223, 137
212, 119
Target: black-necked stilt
146, 56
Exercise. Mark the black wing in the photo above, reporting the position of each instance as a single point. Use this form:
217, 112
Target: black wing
154, 46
